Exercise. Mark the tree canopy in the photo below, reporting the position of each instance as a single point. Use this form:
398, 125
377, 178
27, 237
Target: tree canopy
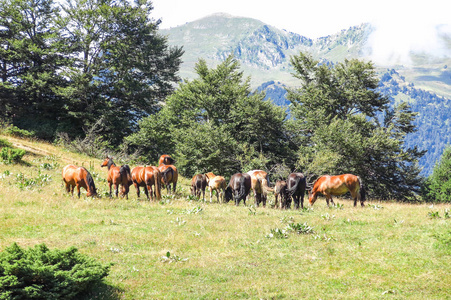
341, 124
215, 123
438, 185
83, 62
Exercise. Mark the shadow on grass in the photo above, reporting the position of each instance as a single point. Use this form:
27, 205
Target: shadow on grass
103, 291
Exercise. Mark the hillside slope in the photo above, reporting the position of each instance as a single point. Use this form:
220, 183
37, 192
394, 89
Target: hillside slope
264, 51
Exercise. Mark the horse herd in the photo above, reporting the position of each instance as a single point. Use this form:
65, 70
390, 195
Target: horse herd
152, 178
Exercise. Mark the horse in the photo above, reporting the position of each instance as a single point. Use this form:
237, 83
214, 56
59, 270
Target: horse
338, 185
198, 185
280, 190
260, 181
238, 188
296, 184
147, 177
166, 160
217, 183
169, 175
118, 176
74, 176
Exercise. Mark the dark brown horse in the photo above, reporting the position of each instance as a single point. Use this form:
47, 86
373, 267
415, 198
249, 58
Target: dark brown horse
296, 184
280, 190
169, 175
74, 176
238, 188
166, 160
198, 185
147, 177
118, 176
336, 186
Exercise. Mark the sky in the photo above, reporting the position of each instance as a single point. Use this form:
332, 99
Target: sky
401, 25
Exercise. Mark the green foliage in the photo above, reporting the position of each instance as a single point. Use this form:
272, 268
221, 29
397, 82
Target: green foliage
11, 155
41, 273
214, 123
66, 67
438, 185
15, 131
23, 182
5, 143
342, 125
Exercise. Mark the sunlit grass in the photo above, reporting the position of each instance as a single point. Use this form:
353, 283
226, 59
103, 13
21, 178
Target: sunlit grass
384, 250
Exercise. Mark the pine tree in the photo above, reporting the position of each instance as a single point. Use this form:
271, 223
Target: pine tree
342, 124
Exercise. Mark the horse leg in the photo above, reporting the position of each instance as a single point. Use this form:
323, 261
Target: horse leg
210, 194
174, 186
149, 190
78, 190
302, 200
110, 184
72, 190
116, 187
137, 188
146, 192
296, 200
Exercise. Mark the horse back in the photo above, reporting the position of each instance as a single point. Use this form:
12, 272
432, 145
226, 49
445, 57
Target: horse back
68, 174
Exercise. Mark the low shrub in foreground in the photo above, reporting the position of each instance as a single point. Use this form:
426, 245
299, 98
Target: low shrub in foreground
9, 155
40, 273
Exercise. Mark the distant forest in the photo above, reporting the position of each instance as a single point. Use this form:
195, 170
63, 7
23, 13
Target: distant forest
433, 120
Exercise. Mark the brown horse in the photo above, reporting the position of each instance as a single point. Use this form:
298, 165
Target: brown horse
118, 176
169, 175
74, 176
147, 177
281, 191
198, 185
166, 160
218, 184
260, 182
338, 185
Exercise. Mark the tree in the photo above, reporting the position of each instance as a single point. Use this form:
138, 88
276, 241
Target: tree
343, 125
121, 69
438, 184
29, 63
214, 123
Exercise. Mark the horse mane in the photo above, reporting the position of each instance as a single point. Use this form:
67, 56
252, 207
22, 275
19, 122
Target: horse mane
90, 182
111, 163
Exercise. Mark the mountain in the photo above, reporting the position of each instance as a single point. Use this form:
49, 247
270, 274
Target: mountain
264, 52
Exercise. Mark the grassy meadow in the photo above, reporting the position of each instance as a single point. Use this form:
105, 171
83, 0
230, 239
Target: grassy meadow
180, 248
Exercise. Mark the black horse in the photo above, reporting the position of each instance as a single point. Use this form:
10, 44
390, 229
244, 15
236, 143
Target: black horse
238, 188
296, 184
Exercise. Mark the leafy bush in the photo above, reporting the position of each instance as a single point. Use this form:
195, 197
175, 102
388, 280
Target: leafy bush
5, 143
10, 155
29, 183
40, 273
16, 131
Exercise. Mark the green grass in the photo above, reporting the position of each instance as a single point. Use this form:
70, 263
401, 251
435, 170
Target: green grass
381, 251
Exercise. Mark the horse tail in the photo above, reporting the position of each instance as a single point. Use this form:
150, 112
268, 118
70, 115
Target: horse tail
90, 182
265, 186
165, 174
242, 192
362, 189
157, 184
125, 172
293, 189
